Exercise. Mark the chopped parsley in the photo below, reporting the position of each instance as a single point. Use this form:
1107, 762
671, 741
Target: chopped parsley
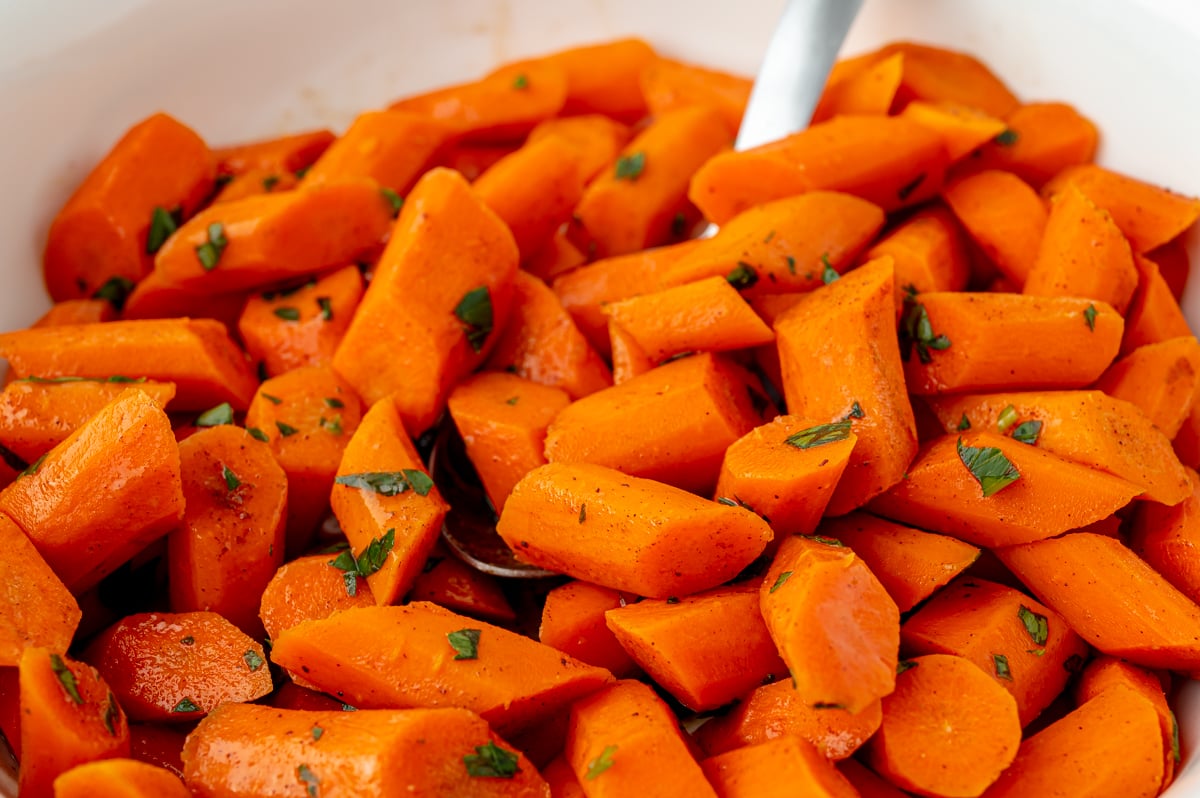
311, 783
163, 224
521, 81
916, 329
742, 276
1007, 417
820, 435
269, 182
389, 483
600, 763
991, 469
115, 291
66, 678
253, 660
630, 167
287, 313
1006, 137
326, 306
474, 310
258, 434
828, 273
1000, 662
394, 200
1089, 316
317, 732
216, 416
368, 562
1027, 432
209, 253
490, 761
1035, 624
232, 481
286, 430
781, 581
905, 665
964, 423
465, 643
186, 705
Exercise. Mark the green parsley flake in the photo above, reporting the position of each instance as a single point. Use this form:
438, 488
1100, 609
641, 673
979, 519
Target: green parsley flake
286, 430
336, 404
1027, 432
1007, 417
905, 665
1007, 137
490, 761
521, 81
1000, 662
1035, 624
600, 763
317, 731
964, 423
115, 291
368, 562
209, 253
186, 705
630, 167
582, 513
389, 483
66, 678
1089, 316
269, 182
232, 482
742, 276
394, 200
781, 581
474, 310
820, 435
258, 434
275, 400
465, 643
287, 313
916, 329
991, 469
217, 416
311, 783
828, 273
253, 660
163, 224
326, 306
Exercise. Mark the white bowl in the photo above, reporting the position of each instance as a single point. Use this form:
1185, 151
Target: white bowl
74, 74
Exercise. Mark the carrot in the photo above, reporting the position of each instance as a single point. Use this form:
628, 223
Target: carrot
502, 420
157, 298
121, 213
991, 490
707, 315
1113, 600
889, 161
68, 717
573, 622
502, 107
631, 534
291, 153
511, 681
290, 695
948, 730
633, 205
1149, 216
448, 582
869, 91
1109, 748
1006, 218
963, 128
866, 782
392, 148
671, 424
629, 360
705, 650
195, 354
231, 540
1154, 314
777, 710
623, 740
542, 343
597, 140
1162, 379
776, 769
1166, 537
263, 239
1086, 427
601, 78
119, 778
1041, 140
174, 668
668, 85
303, 326
939, 74
157, 744
308, 588
910, 564
533, 190
1174, 264
441, 289
255, 183
245, 751
38, 610
472, 160
980, 342
846, 664
37, 415
1187, 441
784, 473
928, 253
790, 244
78, 311
556, 258
851, 322
562, 781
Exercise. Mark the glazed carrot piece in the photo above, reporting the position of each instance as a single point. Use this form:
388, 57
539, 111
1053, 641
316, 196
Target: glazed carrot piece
670, 424
939, 74
850, 665
555, 259
68, 717
119, 778
254, 183
1165, 537
533, 190
601, 78
511, 681
1006, 218
303, 326
629, 360
1050, 495
1024, 645
504, 106
440, 290
157, 298
866, 782
308, 588
597, 140
1086, 427
291, 153
573, 622
82, 522
290, 695
780, 471
388, 507
562, 781
1110, 597
1154, 314
963, 128
1174, 264
579, 519
928, 252
232, 539
705, 650
175, 667
870, 91
909, 563
36, 415
1149, 216
851, 322
271, 237
10, 709
777, 710
542, 343
1042, 140
889, 161
195, 354
392, 148
1162, 379
502, 419
105, 228
786, 245
241, 751
980, 342
584, 292
707, 315
449, 582
157, 744
776, 769
77, 311
623, 740
39, 611
1082, 254
1109, 748
668, 85
633, 205
472, 160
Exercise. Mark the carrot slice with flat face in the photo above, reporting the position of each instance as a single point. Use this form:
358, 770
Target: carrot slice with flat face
284, 154
38, 610
1005, 217
308, 588
1041, 140
126, 778
601, 78
1162, 379
777, 769
928, 251
392, 148
668, 84
573, 622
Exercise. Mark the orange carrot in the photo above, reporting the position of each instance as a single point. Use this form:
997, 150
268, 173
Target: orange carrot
308, 588
1162, 379
623, 741
173, 668
157, 744
1154, 314
472, 160
1042, 139
939, 74
392, 148
1166, 538
290, 153
869, 91
10, 709
949, 729
119, 778
667, 85
555, 259
254, 183
777, 769
866, 782
597, 140
157, 298
991, 490
928, 253
629, 360
705, 650
573, 622
1174, 263
599, 525
290, 695
562, 781
449, 582
78, 311
963, 128
121, 213
601, 78
38, 609
1005, 217
1110, 597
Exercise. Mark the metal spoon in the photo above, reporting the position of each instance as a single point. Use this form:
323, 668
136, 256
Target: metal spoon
802, 50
